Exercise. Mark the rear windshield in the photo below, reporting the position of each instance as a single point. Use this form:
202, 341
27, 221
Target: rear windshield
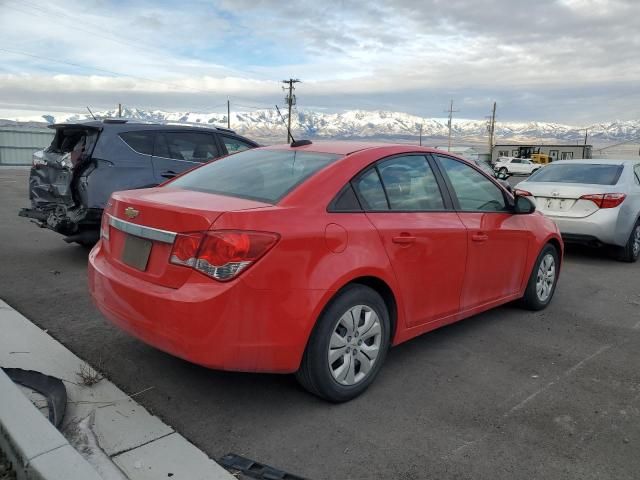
264, 175
593, 174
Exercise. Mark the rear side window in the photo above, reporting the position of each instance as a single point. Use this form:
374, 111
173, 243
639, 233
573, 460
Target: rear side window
410, 184
264, 175
234, 145
141, 142
371, 192
592, 174
189, 146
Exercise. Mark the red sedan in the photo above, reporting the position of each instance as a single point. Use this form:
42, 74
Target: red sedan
316, 258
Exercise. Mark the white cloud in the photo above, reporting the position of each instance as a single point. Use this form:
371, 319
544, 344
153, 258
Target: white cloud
578, 57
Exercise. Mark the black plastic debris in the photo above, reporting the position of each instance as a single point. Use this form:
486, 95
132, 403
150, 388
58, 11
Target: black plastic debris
51, 387
255, 469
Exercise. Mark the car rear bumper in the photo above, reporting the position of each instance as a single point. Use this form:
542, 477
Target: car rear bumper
226, 326
600, 227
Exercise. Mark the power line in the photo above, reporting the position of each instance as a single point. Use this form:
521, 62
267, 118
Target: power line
97, 69
96, 32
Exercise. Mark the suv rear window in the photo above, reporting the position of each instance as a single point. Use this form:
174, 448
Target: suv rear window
264, 175
592, 174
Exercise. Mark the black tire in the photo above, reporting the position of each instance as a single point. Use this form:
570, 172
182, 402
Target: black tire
531, 299
315, 372
628, 253
503, 171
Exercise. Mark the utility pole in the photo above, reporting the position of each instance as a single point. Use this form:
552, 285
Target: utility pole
228, 114
119, 110
451, 112
584, 146
492, 129
290, 100
420, 134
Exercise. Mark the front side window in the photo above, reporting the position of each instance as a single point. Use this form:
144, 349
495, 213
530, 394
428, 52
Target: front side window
410, 184
263, 175
475, 192
234, 145
141, 142
189, 146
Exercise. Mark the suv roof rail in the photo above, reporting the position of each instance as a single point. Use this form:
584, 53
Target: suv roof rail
115, 120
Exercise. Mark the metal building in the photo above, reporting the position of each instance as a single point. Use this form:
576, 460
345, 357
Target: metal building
556, 152
17, 144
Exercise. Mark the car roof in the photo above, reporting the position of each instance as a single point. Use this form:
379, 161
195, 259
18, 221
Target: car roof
341, 147
128, 124
598, 161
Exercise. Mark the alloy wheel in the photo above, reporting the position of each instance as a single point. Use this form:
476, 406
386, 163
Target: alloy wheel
355, 345
546, 277
636, 241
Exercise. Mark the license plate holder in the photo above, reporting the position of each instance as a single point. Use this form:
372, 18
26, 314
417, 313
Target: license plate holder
136, 252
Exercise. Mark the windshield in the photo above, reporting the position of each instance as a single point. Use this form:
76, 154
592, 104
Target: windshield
592, 174
264, 175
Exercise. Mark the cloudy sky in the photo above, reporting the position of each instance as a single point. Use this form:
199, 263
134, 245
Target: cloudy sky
566, 61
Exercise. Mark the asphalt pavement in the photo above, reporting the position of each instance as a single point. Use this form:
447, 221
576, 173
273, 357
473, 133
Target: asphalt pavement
506, 394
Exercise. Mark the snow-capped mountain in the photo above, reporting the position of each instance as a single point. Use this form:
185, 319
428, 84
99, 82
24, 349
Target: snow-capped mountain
268, 125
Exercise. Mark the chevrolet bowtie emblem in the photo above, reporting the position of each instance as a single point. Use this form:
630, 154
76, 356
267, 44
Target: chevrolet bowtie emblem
131, 212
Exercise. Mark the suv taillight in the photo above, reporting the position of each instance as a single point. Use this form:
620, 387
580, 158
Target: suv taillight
221, 254
605, 200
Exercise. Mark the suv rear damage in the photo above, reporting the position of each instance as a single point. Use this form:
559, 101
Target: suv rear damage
72, 180
58, 184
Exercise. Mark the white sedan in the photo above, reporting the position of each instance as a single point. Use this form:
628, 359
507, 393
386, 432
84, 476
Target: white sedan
592, 201
515, 166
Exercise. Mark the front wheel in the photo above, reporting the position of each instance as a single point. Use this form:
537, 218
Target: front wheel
543, 279
631, 251
348, 345
503, 171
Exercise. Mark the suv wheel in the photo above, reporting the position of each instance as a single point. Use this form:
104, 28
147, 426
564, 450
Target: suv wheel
348, 345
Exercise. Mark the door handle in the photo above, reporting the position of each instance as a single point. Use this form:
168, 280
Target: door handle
168, 174
404, 239
480, 237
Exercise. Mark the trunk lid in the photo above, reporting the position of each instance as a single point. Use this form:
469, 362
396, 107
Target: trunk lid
563, 200
55, 168
143, 224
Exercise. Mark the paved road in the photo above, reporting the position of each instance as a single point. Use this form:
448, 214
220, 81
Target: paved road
507, 394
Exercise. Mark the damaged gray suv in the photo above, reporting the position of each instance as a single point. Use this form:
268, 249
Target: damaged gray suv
72, 180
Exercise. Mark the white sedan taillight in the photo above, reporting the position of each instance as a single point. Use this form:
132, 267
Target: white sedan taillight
605, 200
221, 254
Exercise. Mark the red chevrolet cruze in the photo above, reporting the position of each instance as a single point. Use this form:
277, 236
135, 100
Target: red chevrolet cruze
316, 258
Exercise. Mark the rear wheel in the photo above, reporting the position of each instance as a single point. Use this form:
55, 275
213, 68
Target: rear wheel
631, 251
348, 345
543, 279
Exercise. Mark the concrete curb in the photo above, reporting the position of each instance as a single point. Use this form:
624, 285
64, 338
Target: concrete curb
36, 448
117, 437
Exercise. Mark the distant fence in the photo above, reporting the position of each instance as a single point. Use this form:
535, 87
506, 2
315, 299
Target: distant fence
18, 144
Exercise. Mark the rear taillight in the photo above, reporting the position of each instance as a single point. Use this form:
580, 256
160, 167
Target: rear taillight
221, 254
522, 193
104, 226
605, 200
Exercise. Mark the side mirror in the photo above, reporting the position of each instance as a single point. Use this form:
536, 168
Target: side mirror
523, 205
